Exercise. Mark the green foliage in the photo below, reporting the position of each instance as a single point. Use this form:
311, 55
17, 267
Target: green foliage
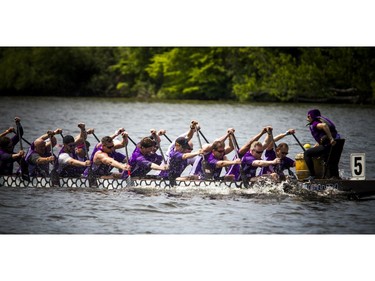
207, 73
55, 71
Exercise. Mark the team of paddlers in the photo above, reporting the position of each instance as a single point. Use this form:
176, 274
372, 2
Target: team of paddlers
207, 162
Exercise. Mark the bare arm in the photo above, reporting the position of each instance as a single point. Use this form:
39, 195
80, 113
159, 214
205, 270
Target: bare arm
45, 160
225, 163
230, 148
265, 163
82, 136
247, 146
159, 167
77, 163
102, 157
10, 130
325, 128
192, 154
117, 133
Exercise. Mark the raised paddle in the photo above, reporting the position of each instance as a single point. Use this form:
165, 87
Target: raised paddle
129, 181
277, 166
25, 140
90, 176
242, 174
97, 139
200, 132
206, 169
132, 141
23, 164
54, 175
167, 138
161, 151
298, 142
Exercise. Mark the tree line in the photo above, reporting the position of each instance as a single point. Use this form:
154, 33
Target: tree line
241, 74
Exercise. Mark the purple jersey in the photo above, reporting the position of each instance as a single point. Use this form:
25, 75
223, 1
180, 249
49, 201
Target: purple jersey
176, 165
285, 163
103, 169
247, 165
320, 135
211, 165
141, 164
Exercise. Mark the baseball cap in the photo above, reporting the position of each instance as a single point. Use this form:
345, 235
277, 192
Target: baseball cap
183, 142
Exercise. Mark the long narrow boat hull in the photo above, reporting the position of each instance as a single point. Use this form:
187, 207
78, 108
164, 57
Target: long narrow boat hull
352, 188
356, 188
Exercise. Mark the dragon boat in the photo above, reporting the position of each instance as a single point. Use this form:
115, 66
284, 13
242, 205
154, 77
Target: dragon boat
348, 187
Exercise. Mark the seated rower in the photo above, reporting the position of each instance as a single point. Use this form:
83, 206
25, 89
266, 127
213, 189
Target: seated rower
235, 169
144, 159
68, 164
7, 154
214, 160
178, 159
185, 145
39, 155
105, 158
252, 160
280, 152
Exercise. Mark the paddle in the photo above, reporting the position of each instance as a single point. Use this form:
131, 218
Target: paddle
206, 168
161, 151
23, 164
129, 181
132, 141
91, 177
277, 166
298, 142
25, 140
167, 138
242, 174
200, 132
54, 175
96, 137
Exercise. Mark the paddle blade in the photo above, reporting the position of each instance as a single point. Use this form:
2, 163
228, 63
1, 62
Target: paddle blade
24, 170
92, 179
129, 181
55, 178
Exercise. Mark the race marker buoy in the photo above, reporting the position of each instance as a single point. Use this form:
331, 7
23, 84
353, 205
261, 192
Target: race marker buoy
306, 146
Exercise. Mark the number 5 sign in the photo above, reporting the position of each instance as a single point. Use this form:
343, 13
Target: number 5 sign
357, 165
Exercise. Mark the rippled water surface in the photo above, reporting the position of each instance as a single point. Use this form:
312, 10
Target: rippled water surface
56, 211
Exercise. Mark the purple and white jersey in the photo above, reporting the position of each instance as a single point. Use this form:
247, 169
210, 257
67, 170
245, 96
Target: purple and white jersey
141, 164
176, 165
66, 170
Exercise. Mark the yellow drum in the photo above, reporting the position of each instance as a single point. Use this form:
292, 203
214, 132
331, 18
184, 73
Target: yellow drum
302, 172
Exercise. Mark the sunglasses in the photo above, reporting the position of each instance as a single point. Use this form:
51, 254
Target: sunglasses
259, 152
72, 145
110, 146
220, 151
284, 153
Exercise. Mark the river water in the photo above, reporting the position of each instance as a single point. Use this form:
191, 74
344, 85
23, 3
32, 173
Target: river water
63, 211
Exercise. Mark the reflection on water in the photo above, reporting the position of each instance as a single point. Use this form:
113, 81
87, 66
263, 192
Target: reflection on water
31, 210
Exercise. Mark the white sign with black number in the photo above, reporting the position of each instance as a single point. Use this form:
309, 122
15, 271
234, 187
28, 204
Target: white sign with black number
358, 166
